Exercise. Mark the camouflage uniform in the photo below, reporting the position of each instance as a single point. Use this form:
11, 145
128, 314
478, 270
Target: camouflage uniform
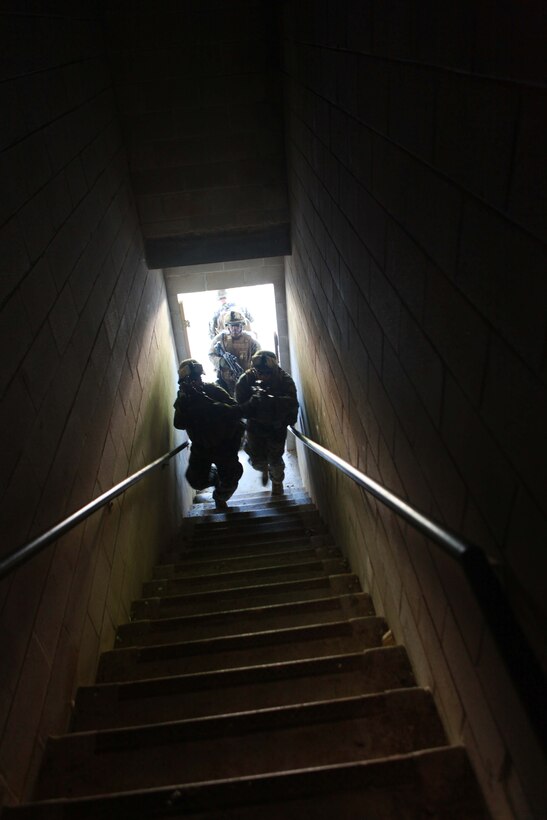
242, 348
269, 408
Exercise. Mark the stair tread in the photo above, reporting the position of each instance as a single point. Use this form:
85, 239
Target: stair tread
254, 684
309, 566
291, 496
263, 592
252, 742
222, 519
247, 619
289, 556
246, 531
227, 651
263, 546
274, 717
257, 685
386, 788
262, 577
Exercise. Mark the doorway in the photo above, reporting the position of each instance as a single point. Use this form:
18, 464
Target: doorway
197, 309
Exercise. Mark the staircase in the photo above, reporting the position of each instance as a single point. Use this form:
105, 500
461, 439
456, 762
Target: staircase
252, 682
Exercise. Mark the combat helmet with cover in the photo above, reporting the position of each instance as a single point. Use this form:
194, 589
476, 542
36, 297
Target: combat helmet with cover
190, 370
234, 317
264, 361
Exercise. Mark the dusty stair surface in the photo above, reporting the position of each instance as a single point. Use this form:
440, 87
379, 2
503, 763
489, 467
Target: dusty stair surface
252, 682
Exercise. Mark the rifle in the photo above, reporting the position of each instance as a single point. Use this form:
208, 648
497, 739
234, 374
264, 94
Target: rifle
234, 366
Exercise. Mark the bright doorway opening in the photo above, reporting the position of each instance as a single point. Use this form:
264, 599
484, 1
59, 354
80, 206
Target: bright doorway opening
197, 310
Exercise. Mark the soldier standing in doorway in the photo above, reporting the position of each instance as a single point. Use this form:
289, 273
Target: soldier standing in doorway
231, 351
217, 322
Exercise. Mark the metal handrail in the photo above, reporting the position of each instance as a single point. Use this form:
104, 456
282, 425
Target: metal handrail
21, 554
520, 662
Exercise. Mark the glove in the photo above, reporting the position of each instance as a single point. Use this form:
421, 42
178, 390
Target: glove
249, 409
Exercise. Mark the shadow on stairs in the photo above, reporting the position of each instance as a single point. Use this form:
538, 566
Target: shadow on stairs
252, 682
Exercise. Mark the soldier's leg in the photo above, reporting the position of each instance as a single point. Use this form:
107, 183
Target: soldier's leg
229, 469
200, 473
276, 465
256, 448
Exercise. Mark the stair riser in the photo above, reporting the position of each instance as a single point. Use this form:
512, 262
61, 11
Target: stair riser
283, 616
249, 577
264, 688
260, 696
255, 688
305, 514
259, 501
381, 789
188, 554
371, 728
168, 660
286, 557
259, 512
258, 519
253, 537
224, 600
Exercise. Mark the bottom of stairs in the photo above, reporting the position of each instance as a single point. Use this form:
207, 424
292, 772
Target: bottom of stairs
437, 784
252, 683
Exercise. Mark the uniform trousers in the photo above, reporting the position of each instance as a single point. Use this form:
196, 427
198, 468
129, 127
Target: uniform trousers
225, 473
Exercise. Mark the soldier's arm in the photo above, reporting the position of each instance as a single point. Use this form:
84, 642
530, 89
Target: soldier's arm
243, 389
220, 395
182, 411
214, 357
287, 401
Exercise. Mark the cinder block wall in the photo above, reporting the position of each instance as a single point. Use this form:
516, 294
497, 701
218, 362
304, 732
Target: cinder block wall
87, 375
416, 295
199, 90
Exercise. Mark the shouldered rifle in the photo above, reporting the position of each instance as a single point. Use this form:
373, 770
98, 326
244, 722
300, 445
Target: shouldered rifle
231, 360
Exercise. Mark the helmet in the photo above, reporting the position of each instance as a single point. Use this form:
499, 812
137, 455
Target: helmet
234, 317
190, 369
264, 361
222, 293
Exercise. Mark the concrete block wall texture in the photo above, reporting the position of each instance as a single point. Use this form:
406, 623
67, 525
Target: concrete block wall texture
416, 297
199, 91
87, 377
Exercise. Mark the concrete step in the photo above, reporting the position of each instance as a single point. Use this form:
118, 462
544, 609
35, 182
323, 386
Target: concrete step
253, 531
209, 511
230, 527
249, 515
235, 540
193, 567
435, 783
232, 651
255, 501
245, 619
241, 745
250, 501
227, 597
254, 684
292, 571
250, 687
268, 545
